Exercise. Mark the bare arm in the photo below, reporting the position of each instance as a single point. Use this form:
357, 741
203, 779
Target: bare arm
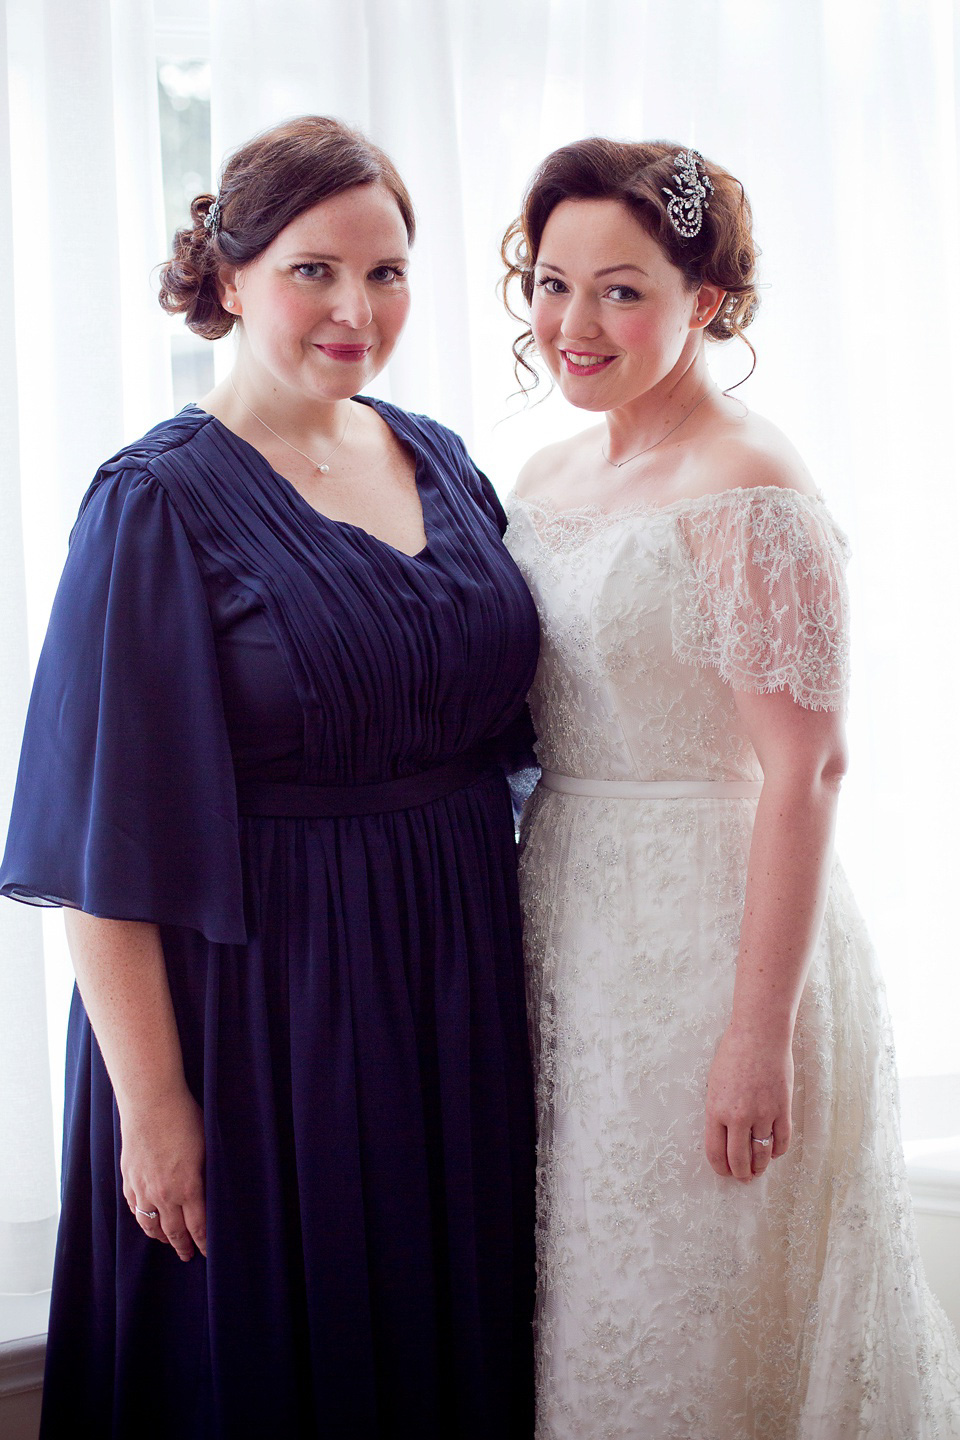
803, 756
123, 981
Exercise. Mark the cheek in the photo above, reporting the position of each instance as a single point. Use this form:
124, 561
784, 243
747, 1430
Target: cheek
281, 315
543, 321
640, 330
397, 310
390, 315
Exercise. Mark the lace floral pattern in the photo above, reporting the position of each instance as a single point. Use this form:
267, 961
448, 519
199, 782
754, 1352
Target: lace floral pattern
672, 1304
762, 595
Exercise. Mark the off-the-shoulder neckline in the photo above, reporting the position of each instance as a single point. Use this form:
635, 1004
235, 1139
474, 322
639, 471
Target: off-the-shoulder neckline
643, 507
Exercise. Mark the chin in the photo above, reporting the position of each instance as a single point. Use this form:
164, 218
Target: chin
594, 404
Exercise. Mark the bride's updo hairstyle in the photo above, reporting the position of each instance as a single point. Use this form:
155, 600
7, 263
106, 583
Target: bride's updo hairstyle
265, 184
723, 253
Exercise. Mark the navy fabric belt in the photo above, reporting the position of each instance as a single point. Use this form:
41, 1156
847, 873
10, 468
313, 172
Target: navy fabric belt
266, 797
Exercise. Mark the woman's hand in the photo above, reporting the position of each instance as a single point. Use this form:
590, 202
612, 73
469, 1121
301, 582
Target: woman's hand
749, 1092
161, 1162
749, 1095
122, 977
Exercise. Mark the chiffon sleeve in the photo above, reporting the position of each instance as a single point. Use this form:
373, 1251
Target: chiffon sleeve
125, 804
761, 595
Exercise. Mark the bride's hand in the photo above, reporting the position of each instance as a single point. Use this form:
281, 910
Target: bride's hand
749, 1094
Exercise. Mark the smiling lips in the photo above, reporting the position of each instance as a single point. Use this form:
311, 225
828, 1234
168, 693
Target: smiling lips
349, 353
582, 362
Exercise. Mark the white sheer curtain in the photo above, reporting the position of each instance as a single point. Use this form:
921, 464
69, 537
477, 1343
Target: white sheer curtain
27, 1179
84, 367
841, 120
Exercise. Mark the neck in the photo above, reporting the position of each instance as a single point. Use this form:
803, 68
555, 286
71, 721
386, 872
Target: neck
647, 419
251, 394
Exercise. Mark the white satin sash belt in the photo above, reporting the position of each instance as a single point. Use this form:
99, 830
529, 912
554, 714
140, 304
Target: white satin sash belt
652, 789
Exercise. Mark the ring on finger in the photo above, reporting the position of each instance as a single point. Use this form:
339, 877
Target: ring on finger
756, 1140
147, 1214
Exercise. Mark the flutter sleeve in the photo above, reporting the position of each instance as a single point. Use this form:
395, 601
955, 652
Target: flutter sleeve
761, 594
125, 803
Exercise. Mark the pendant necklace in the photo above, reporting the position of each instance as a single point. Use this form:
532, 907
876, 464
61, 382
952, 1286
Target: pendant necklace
321, 466
618, 464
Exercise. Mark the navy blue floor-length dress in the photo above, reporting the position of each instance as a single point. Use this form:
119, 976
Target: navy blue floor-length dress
279, 738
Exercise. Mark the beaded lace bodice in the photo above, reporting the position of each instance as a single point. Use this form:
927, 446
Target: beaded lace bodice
649, 616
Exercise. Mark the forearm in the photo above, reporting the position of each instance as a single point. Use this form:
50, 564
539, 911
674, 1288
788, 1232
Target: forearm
787, 880
122, 978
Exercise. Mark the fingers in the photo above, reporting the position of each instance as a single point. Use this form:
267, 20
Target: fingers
148, 1218
761, 1154
715, 1144
739, 1156
736, 1151
174, 1228
195, 1220
782, 1134
183, 1227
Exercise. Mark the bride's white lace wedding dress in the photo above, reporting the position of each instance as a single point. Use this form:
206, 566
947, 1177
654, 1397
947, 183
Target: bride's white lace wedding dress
674, 1304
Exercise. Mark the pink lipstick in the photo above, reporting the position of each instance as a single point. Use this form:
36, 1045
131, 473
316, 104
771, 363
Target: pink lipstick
585, 362
348, 353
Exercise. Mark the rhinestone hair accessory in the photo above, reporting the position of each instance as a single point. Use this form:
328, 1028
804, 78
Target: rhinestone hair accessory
211, 221
688, 199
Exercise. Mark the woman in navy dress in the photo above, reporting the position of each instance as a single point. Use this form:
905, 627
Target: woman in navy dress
264, 770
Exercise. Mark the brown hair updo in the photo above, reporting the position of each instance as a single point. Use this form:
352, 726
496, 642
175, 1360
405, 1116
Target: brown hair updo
265, 184
722, 254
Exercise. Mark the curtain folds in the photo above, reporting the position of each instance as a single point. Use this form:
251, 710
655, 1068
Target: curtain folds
28, 1202
83, 368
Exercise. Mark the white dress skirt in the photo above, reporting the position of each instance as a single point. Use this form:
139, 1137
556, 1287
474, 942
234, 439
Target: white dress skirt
674, 1304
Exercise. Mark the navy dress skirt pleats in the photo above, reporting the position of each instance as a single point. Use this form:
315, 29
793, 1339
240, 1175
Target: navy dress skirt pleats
348, 986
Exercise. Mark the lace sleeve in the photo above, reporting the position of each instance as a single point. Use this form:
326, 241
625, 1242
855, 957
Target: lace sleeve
761, 594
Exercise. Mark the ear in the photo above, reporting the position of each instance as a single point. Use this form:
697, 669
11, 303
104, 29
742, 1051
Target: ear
228, 288
706, 302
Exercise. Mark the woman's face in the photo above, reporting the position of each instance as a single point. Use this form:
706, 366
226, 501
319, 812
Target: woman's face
323, 306
611, 316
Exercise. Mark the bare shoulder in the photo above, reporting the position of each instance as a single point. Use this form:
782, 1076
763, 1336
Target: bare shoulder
750, 452
544, 472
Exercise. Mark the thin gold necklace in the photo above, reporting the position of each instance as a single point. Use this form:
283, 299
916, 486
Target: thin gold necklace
321, 466
619, 464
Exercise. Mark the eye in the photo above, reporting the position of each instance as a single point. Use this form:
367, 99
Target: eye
310, 269
623, 293
551, 284
388, 274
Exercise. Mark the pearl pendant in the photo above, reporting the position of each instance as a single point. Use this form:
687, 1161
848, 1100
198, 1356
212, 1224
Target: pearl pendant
324, 469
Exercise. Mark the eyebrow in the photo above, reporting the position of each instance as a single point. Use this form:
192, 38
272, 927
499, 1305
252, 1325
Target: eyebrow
311, 255
607, 270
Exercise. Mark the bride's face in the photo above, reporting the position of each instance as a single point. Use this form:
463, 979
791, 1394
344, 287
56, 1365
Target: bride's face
611, 316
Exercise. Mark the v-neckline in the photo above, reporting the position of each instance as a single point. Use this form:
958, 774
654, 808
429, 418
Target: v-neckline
300, 502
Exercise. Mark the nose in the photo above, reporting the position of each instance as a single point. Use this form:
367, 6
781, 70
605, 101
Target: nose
351, 304
580, 320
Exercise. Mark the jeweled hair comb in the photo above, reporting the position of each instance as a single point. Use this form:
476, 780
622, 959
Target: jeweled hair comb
211, 221
688, 199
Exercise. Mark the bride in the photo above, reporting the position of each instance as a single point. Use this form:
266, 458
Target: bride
725, 1242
